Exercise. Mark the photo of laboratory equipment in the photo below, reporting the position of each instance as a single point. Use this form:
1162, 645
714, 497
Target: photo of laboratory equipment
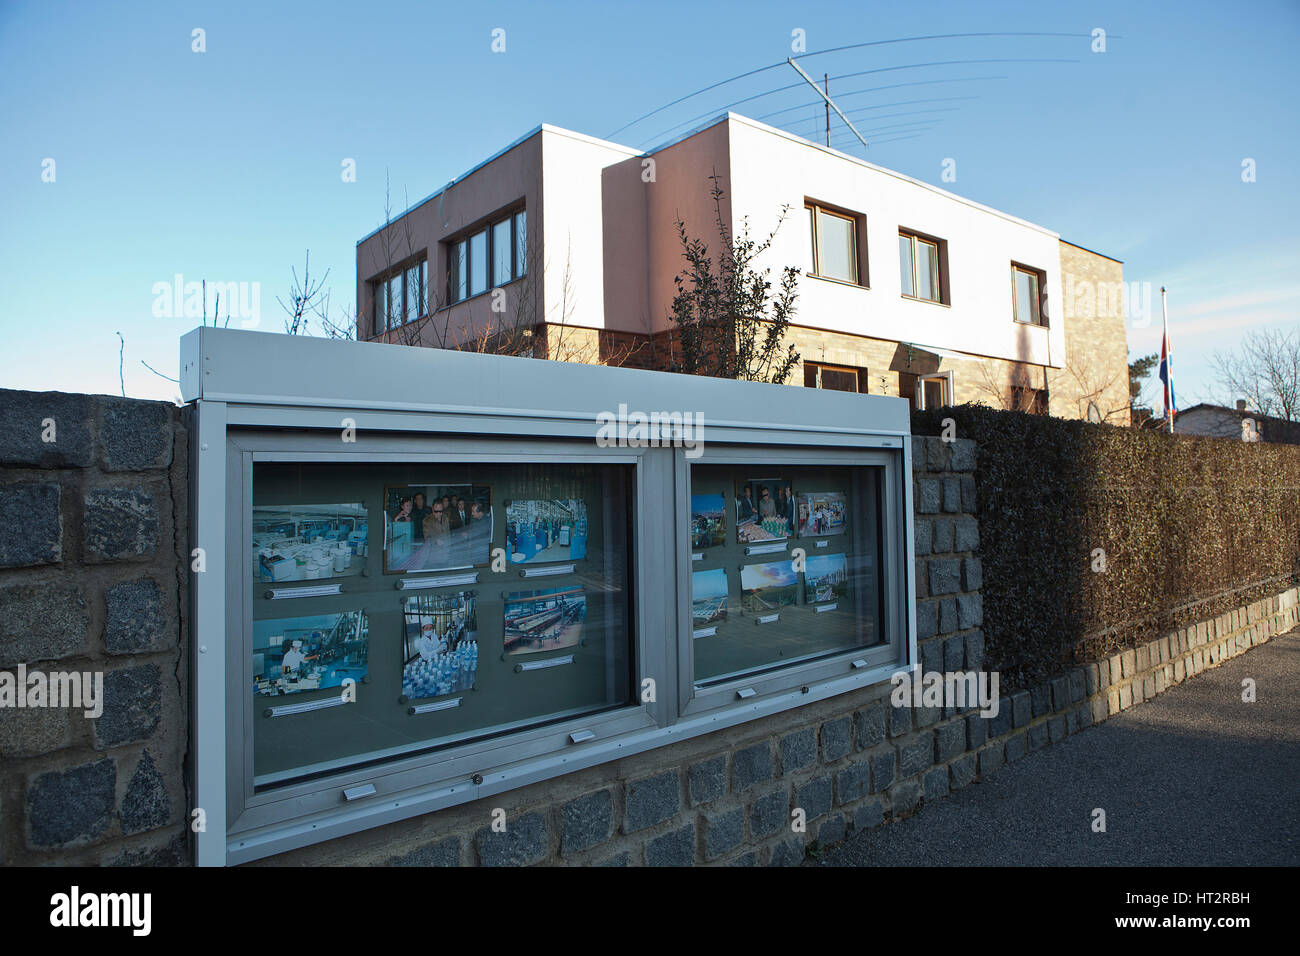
546, 530
309, 542
544, 620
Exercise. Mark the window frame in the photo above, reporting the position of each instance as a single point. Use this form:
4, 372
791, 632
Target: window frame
381, 285
859, 258
819, 367
946, 377
487, 227
1040, 280
941, 264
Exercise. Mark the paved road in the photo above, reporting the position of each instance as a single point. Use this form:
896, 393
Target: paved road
1194, 777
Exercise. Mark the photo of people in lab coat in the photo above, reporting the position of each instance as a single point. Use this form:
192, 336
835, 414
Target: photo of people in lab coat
436, 527
440, 644
291, 655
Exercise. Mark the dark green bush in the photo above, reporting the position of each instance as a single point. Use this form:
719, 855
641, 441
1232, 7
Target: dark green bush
1190, 528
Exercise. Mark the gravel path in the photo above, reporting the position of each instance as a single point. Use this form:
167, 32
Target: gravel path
1195, 777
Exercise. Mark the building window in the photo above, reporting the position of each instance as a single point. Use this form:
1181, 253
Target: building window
836, 378
1031, 400
500, 246
934, 391
923, 267
833, 244
1027, 295
401, 296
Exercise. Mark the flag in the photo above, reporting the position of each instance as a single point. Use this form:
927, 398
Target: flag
1167, 367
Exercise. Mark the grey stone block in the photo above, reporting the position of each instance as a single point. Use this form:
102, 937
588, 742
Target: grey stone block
944, 576
1060, 693
970, 611
36, 731
676, 848
119, 523
1076, 685
977, 731
904, 798
869, 725
1084, 713
707, 780
814, 797
972, 574
916, 756
961, 771
949, 740
990, 758
1040, 699
936, 454
969, 501
918, 453
837, 739
1021, 708
28, 418
1015, 747
751, 766
922, 540
832, 831
652, 800
900, 720
132, 705
975, 650
941, 539
935, 783
769, 813
523, 842
1037, 736
927, 619
42, 622
882, 771
931, 653
928, 496
444, 853
798, 749
966, 535
134, 435
926, 716
954, 652
963, 455
1056, 728
951, 495
586, 822
747, 859
146, 805
947, 616
31, 524
723, 832
1000, 723
789, 852
134, 617
851, 783
71, 807
869, 816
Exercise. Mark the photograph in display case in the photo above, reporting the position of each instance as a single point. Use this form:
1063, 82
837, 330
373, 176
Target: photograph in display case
768, 587
546, 530
708, 521
765, 510
439, 643
314, 652
436, 527
545, 620
822, 513
825, 578
309, 542
709, 597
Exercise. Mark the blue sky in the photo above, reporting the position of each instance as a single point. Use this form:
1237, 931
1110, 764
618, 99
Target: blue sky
226, 164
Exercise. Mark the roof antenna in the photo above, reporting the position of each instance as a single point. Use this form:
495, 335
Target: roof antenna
830, 104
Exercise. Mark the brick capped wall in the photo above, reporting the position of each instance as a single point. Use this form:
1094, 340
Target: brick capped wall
91, 581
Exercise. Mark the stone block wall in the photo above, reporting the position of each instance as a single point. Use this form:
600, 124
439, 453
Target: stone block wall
93, 493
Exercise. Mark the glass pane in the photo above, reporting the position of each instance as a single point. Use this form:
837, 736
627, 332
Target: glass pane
927, 270
460, 644
478, 263
395, 301
840, 380
414, 305
812, 240
501, 253
905, 264
932, 393
835, 247
459, 272
759, 613
381, 310
1026, 297
521, 242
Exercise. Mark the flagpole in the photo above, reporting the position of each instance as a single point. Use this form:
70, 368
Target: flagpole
1168, 350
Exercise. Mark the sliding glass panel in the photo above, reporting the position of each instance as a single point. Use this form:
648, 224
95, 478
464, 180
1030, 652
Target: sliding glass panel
927, 270
521, 243
467, 653
478, 263
1026, 297
502, 250
905, 265
756, 605
836, 247
459, 268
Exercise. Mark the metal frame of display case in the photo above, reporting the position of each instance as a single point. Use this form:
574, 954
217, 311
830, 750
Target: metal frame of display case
264, 397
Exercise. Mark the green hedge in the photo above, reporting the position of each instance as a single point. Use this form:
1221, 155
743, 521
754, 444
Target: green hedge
1190, 528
